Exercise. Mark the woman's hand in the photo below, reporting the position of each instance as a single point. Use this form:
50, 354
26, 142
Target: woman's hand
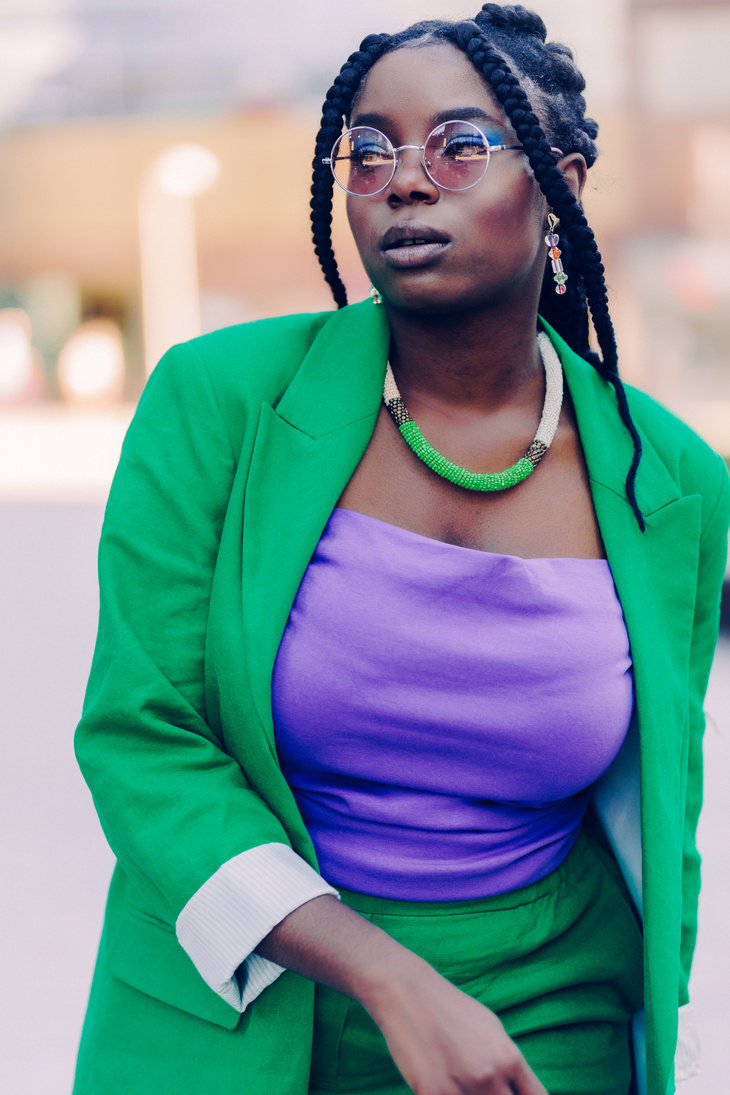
446, 1043
442, 1041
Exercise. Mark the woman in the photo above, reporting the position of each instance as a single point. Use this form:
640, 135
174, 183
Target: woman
327, 640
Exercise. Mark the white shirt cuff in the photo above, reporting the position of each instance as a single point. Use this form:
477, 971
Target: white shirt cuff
226, 919
687, 1056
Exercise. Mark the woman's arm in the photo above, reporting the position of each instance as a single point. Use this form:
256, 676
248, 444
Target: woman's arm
188, 829
442, 1041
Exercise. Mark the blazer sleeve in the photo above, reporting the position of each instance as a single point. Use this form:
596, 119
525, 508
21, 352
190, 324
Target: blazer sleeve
711, 571
201, 847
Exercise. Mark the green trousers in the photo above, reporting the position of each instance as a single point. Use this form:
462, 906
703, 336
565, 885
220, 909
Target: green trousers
560, 961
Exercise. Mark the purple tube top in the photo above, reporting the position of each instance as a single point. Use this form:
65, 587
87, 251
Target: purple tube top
441, 712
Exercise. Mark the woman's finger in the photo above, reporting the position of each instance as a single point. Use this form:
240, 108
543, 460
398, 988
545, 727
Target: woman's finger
525, 1082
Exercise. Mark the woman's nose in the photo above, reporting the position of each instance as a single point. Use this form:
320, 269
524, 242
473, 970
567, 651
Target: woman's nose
411, 183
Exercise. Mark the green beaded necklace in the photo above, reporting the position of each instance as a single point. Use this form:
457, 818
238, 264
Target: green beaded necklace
473, 480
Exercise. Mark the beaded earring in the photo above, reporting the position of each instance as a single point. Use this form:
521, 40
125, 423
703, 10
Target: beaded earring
377, 299
553, 251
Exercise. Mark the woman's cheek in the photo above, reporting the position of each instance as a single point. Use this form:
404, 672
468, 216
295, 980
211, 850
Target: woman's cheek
364, 234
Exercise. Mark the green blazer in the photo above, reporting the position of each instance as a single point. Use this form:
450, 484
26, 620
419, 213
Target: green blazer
241, 445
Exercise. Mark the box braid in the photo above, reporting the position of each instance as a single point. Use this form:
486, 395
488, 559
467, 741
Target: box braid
519, 34
337, 106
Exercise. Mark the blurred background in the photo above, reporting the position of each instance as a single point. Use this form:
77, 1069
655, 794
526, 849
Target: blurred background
154, 184
154, 177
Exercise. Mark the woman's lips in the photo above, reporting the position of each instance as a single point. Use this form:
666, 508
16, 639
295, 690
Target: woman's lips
412, 243
414, 253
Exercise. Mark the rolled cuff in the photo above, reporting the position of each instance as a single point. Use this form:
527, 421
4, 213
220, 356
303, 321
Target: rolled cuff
226, 919
687, 1056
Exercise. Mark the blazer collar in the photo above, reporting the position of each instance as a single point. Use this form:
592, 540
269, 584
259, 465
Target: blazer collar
607, 446
341, 378
340, 381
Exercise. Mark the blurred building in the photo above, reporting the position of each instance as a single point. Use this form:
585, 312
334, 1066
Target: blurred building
93, 92
674, 252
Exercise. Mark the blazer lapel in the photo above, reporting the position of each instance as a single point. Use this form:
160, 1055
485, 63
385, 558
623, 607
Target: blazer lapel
655, 572
305, 451
655, 575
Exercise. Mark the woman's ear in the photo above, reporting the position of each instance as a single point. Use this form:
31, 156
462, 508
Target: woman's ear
574, 171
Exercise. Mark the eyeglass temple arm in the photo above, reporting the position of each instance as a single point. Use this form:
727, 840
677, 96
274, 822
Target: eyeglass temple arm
511, 147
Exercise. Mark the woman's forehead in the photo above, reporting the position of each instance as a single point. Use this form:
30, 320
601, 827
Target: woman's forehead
426, 80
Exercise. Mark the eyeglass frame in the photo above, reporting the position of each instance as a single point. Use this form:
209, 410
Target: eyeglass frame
422, 149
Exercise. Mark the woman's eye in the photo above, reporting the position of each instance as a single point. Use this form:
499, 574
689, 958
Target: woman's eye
368, 154
464, 147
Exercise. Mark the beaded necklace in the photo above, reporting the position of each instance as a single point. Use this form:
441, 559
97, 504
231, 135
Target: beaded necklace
473, 480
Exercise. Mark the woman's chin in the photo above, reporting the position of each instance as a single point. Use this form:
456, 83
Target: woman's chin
440, 301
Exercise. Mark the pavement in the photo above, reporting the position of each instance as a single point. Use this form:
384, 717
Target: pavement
55, 864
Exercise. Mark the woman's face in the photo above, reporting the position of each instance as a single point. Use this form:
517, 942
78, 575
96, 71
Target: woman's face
487, 241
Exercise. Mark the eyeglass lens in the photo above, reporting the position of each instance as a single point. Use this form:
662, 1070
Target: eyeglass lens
456, 157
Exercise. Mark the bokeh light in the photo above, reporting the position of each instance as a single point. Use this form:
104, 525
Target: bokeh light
186, 170
16, 358
91, 364
21, 378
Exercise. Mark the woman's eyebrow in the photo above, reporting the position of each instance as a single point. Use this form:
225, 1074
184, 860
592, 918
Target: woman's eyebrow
373, 119
465, 113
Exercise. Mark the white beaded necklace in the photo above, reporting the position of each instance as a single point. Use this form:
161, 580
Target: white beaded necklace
472, 480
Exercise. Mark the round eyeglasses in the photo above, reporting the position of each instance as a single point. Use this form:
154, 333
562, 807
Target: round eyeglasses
455, 157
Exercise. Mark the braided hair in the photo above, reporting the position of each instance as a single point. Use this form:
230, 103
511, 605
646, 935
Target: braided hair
499, 32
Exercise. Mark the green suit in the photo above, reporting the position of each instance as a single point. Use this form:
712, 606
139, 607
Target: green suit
241, 445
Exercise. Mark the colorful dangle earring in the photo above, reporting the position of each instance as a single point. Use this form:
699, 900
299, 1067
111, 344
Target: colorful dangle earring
554, 252
377, 299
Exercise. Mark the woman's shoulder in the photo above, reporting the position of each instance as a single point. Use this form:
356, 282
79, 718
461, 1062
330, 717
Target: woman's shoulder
256, 361
230, 372
693, 464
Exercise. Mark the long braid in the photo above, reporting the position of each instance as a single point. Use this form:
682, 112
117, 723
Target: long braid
501, 31
543, 161
336, 106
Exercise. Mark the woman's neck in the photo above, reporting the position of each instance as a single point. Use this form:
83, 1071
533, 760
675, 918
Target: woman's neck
483, 360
